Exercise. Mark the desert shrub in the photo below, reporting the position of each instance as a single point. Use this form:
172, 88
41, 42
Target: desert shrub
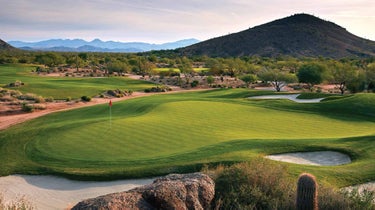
194, 83
130, 92
39, 107
27, 107
259, 184
14, 93
39, 99
86, 98
49, 99
158, 89
16, 84
18, 204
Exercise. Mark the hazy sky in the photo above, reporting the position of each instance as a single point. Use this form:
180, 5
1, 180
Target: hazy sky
160, 21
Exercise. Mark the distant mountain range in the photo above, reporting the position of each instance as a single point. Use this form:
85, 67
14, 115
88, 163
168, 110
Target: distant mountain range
97, 45
299, 35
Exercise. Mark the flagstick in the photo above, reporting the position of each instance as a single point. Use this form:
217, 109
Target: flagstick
110, 117
110, 114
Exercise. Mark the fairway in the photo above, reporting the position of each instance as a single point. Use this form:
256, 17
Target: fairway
180, 132
63, 87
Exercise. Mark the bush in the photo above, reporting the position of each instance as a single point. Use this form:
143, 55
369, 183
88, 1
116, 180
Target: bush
27, 107
158, 89
49, 99
86, 98
195, 83
260, 184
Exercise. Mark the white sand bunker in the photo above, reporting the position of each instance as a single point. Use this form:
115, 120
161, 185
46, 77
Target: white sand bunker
50, 192
292, 97
322, 158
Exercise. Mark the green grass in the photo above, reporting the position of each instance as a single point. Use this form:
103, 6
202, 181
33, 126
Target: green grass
181, 132
63, 87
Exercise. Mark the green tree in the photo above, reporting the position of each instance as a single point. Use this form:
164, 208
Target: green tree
145, 66
50, 59
358, 82
370, 77
342, 75
185, 67
311, 74
277, 78
248, 79
210, 80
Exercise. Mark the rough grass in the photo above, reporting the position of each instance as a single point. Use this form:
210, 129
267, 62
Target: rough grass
181, 132
63, 87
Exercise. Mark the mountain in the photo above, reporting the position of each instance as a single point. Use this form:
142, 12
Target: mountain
97, 45
5, 46
298, 35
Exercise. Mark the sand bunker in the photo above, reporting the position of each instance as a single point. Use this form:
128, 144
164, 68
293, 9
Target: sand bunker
50, 192
292, 97
322, 158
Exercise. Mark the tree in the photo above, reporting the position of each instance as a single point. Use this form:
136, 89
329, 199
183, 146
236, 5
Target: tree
370, 77
210, 80
358, 82
342, 75
50, 59
277, 78
118, 66
145, 66
248, 79
185, 68
311, 74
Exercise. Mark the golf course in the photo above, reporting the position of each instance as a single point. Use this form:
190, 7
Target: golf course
183, 132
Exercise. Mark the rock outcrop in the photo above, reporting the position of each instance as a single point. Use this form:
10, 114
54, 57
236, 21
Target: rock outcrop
175, 191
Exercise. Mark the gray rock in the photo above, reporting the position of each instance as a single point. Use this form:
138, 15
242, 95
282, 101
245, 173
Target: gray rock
175, 191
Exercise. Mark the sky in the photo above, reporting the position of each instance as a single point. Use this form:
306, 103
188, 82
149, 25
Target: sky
160, 21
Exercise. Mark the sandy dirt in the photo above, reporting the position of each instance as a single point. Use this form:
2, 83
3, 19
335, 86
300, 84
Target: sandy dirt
50, 192
292, 97
321, 158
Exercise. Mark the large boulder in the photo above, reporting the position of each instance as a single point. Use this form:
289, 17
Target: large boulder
175, 191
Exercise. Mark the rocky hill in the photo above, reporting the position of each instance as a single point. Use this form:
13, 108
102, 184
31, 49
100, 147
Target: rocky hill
5, 46
298, 35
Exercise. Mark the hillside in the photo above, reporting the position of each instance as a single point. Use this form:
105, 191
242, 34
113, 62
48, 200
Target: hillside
5, 46
298, 35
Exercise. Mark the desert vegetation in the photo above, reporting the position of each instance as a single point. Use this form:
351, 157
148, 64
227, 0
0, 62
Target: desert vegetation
262, 184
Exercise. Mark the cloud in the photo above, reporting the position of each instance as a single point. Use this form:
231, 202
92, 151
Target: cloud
166, 20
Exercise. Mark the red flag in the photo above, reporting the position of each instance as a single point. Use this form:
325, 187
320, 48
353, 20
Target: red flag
110, 103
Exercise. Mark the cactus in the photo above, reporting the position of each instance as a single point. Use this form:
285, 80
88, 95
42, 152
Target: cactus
307, 192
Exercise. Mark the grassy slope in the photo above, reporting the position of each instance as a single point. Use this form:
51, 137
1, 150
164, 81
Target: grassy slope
63, 87
180, 132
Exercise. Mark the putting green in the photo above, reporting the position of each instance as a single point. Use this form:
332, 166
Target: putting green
179, 127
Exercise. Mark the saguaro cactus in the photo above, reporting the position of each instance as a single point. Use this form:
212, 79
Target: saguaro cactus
307, 192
